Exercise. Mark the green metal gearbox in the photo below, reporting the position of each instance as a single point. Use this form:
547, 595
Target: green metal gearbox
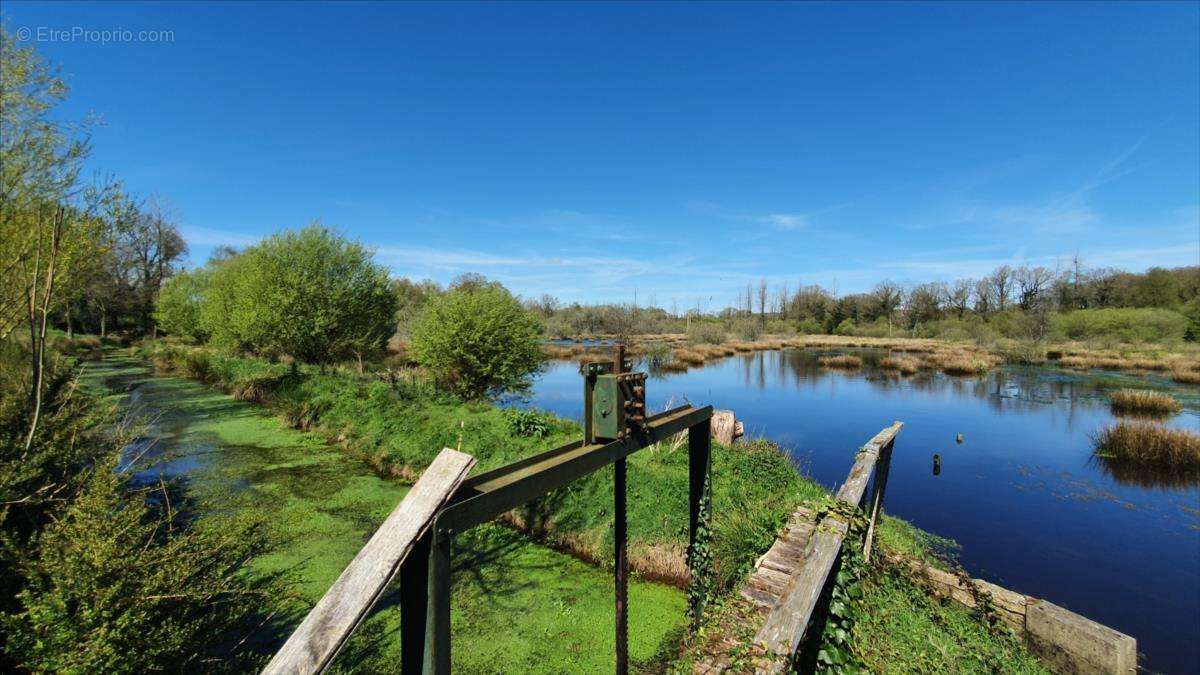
618, 403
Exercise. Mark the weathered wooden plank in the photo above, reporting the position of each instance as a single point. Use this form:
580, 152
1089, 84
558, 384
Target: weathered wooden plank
758, 596
864, 464
784, 627
316, 641
789, 618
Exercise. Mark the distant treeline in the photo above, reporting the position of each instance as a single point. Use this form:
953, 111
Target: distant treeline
1013, 302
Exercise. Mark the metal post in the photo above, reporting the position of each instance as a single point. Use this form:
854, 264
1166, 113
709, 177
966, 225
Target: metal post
437, 622
619, 535
414, 599
879, 484
699, 462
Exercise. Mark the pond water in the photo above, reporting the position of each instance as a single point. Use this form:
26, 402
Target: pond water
1022, 494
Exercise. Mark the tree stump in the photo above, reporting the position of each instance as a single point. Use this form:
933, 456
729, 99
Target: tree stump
725, 427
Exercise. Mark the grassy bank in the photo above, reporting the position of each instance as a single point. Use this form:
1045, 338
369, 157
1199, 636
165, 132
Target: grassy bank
398, 423
511, 600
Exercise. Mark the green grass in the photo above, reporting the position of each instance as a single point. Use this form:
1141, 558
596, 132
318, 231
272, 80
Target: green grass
522, 606
904, 630
400, 427
516, 605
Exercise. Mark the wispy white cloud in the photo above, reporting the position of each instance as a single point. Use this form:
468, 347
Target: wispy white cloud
786, 221
781, 220
205, 236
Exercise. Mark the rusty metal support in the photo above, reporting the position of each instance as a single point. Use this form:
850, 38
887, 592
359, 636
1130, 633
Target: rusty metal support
620, 553
437, 620
492, 493
414, 602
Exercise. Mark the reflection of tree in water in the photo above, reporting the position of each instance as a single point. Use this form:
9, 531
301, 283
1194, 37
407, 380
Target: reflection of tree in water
1146, 475
1009, 389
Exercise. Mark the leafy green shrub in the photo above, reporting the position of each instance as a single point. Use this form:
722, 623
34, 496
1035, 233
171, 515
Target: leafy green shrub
705, 333
478, 340
197, 366
1124, 324
310, 294
809, 326
749, 329
177, 308
846, 327
527, 423
116, 587
658, 353
98, 577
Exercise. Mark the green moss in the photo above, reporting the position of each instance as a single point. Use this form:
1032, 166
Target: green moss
524, 606
516, 604
401, 426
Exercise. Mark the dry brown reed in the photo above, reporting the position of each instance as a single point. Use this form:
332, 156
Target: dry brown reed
846, 361
905, 365
689, 356
1143, 402
1148, 442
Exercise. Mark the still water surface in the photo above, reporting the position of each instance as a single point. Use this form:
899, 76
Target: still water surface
1022, 494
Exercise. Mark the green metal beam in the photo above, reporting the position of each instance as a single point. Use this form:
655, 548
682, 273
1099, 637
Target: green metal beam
505, 489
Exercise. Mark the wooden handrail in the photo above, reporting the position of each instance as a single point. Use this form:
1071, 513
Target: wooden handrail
315, 643
789, 619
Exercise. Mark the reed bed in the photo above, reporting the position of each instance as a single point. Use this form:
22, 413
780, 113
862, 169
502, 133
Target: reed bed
1138, 401
843, 361
1184, 375
1148, 442
674, 367
964, 366
689, 357
905, 365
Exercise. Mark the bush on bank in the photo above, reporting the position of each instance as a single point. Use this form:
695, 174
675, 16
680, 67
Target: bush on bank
477, 339
98, 574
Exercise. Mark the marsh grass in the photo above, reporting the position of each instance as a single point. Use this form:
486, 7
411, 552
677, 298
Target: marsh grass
1185, 375
1148, 443
1138, 401
689, 357
963, 365
905, 365
843, 361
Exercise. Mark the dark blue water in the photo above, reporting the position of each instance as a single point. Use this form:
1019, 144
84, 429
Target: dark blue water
1031, 508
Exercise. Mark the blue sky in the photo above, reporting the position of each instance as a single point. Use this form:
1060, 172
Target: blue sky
679, 150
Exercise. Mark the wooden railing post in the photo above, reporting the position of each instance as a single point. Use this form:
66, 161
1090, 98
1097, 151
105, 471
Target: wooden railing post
789, 619
879, 484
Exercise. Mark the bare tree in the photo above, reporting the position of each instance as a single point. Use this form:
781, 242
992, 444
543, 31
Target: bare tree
1000, 285
925, 303
1033, 286
762, 302
887, 296
983, 296
958, 297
